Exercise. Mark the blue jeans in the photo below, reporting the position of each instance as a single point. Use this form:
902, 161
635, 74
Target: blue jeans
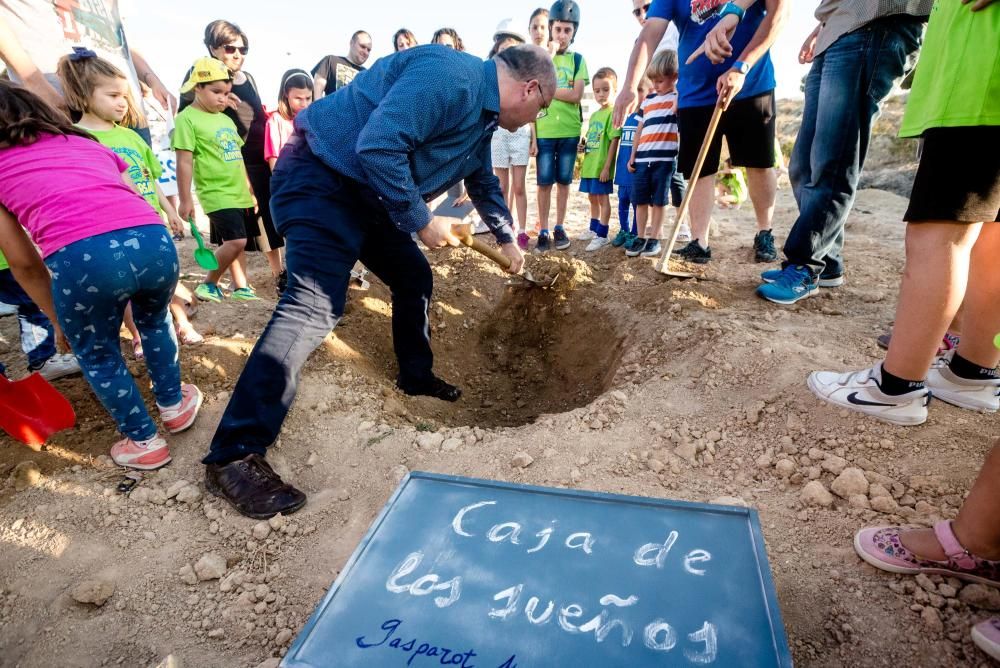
844, 88
556, 160
626, 202
329, 222
92, 281
37, 337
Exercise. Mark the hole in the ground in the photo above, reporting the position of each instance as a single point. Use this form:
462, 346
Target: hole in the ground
516, 352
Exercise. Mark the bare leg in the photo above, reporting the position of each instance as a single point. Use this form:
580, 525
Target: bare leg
595, 206
933, 286
228, 255
605, 210
641, 215
274, 261
544, 202
763, 187
982, 301
976, 526
656, 221
562, 199
520, 194
702, 202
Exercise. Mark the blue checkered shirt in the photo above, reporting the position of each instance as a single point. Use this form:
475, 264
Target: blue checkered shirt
410, 127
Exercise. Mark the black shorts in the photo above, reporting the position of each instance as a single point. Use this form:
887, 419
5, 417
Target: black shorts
229, 224
958, 178
260, 179
748, 126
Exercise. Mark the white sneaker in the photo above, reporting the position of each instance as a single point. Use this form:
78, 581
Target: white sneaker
586, 235
861, 391
58, 366
975, 395
7, 309
598, 243
684, 234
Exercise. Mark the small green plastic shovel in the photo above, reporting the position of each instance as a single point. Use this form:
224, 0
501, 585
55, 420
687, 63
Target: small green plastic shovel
204, 257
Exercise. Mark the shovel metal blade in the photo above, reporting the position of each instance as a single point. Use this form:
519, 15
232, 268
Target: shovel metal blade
31, 410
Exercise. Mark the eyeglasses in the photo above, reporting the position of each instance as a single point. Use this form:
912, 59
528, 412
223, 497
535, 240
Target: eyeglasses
639, 11
231, 49
544, 111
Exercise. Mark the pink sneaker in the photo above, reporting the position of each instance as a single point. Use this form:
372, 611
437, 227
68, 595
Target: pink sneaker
144, 455
881, 547
182, 416
986, 635
522, 241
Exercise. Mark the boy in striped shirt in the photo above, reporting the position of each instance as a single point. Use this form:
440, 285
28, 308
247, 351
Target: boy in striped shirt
654, 154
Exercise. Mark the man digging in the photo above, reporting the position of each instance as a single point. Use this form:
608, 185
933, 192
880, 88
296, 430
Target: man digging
351, 185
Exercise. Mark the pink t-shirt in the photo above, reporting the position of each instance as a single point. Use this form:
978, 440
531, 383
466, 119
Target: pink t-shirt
66, 188
279, 129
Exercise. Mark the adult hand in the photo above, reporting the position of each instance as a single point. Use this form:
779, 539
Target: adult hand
978, 4
185, 210
461, 199
513, 253
438, 233
729, 86
717, 47
162, 95
631, 166
625, 104
233, 101
807, 52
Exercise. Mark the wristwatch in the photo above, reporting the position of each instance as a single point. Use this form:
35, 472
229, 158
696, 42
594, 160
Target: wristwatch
741, 67
735, 10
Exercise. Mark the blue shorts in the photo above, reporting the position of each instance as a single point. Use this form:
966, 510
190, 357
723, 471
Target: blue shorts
556, 160
596, 187
651, 183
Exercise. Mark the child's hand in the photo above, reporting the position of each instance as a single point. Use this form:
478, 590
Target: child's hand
62, 343
533, 151
631, 166
605, 175
582, 146
185, 210
176, 225
256, 209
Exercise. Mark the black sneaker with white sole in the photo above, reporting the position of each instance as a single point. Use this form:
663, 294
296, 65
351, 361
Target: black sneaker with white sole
693, 252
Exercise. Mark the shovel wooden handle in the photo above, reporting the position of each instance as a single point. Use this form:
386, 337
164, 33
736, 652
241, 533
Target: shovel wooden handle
464, 233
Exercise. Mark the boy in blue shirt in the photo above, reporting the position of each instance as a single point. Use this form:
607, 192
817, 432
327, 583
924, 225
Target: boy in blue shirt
623, 177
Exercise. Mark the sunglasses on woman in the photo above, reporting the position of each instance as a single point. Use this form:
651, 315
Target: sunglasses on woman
641, 10
230, 49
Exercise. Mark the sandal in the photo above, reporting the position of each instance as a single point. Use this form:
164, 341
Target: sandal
137, 352
189, 337
986, 635
881, 547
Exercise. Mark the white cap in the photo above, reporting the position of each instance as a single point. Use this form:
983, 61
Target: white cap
504, 30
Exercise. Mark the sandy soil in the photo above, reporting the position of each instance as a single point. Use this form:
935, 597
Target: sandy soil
616, 380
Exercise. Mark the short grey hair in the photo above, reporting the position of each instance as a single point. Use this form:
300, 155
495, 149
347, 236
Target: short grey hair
528, 62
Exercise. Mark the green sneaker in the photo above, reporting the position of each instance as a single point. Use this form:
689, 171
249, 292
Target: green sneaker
244, 295
620, 238
208, 292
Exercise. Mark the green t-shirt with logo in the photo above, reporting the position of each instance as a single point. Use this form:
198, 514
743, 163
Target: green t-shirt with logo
957, 83
600, 132
143, 167
563, 119
219, 176
3, 263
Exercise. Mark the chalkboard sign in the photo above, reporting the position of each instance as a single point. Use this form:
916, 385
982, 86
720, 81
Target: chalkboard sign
482, 574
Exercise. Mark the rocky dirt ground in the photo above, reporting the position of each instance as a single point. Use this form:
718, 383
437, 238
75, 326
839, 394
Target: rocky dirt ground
617, 380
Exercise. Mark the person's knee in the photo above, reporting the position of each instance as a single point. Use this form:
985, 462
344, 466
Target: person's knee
236, 245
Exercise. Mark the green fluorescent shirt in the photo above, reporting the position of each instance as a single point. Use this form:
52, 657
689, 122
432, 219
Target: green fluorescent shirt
957, 83
600, 132
219, 176
563, 119
143, 167
3, 263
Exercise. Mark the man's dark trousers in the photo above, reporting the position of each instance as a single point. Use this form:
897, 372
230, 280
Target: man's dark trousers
329, 222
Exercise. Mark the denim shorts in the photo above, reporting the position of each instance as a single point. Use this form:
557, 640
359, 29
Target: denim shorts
651, 183
556, 160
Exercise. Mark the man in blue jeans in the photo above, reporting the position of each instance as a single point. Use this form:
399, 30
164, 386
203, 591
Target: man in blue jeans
858, 51
351, 185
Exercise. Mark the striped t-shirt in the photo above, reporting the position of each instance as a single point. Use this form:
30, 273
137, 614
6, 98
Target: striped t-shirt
659, 139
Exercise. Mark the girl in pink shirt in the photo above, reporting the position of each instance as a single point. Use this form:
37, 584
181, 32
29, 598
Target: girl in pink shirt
104, 246
295, 94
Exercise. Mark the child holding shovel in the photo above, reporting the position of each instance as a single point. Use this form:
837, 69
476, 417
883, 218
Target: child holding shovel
99, 92
208, 149
104, 247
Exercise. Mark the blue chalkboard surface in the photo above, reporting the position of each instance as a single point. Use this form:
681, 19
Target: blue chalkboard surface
483, 574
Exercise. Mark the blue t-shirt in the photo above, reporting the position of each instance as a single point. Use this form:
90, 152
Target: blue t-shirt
695, 19
623, 177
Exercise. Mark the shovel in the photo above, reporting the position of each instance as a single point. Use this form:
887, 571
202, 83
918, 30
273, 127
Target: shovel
464, 233
205, 258
31, 409
662, 265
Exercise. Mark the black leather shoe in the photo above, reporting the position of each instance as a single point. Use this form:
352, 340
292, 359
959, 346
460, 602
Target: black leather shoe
252, 486
435, 387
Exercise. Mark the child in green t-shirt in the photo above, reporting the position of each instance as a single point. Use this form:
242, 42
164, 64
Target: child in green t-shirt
600, 147
208, 148
100, 93
558, 126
